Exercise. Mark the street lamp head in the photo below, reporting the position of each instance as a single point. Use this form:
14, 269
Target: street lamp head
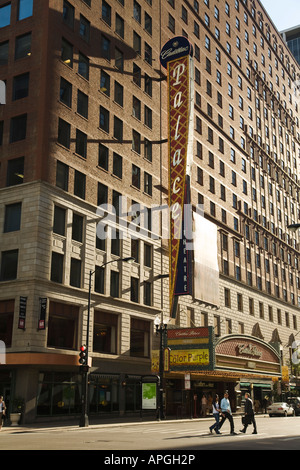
294, 227
129, 259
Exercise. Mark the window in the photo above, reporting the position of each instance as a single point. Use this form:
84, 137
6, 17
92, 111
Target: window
20, 86
75, 272
62, 175
104, 119
23, 46
64, 133
105, 83
105, 333
148, 184
12, 219
77, 228
68, 14
136, 176
79, 184
15, 171
57, 266
81, 143
119, 93
9, 265
118, 129
7, 308
105, 47
83, 66
134, 289
18, 128
5, 15
25, 9
84, 28
117, 165
66, 92
103, 157
114, 284
4, 53
82, 104
99, 278
106, 12
67, 52
59, 221
139, 338
63, 325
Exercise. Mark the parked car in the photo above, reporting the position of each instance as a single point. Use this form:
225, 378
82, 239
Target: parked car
280, 409
295, 403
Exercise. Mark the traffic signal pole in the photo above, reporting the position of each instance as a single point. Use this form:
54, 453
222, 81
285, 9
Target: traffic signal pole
84, 418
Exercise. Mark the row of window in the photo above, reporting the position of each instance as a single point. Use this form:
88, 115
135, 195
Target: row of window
24, 10
240, 304
64, 325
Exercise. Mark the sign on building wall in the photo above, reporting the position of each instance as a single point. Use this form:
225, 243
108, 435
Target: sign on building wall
191, 349
176, 56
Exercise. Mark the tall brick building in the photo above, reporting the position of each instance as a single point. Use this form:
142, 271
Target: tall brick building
85, 122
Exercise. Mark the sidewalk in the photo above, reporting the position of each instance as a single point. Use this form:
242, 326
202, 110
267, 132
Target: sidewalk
95, 423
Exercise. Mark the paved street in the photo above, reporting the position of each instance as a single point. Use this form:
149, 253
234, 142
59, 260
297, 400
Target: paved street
184, 437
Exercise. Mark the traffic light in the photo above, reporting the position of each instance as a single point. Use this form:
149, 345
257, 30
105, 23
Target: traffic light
83, 355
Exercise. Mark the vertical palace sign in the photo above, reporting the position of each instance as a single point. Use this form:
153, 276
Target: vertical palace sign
176, 57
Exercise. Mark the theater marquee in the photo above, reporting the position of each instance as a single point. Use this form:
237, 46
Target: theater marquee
191, 349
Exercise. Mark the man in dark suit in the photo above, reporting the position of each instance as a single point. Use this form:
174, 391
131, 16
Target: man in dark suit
249, 414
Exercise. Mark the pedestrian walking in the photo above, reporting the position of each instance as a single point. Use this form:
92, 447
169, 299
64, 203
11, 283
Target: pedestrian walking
203, 405
2, 411
216, 414
226, 413
249, 415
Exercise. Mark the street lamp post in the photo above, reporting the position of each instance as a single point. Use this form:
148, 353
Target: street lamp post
84, 419
161, 328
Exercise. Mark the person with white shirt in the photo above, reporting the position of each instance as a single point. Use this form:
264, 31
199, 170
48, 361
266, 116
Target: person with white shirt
226, 413
216, 413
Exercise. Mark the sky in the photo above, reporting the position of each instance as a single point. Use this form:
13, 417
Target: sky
284, 13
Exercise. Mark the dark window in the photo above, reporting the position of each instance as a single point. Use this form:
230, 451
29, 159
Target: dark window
82, 104
83, 66
67, 52
7, 308
81, 143
79, 184
23, 46
77, 228
103, 157
57, 267
15, 171
66, 92
20, 86
12, 220
114, 284
64, 133
18, 128
105, 333
62, 175
75, 272
9, 265
63, 324
59, 221
4, 53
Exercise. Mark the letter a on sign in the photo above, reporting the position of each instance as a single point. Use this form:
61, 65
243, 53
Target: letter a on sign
176, 56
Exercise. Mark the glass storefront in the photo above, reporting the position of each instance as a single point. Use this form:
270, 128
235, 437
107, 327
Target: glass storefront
58, 394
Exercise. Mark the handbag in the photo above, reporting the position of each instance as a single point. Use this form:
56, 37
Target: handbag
246, 420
